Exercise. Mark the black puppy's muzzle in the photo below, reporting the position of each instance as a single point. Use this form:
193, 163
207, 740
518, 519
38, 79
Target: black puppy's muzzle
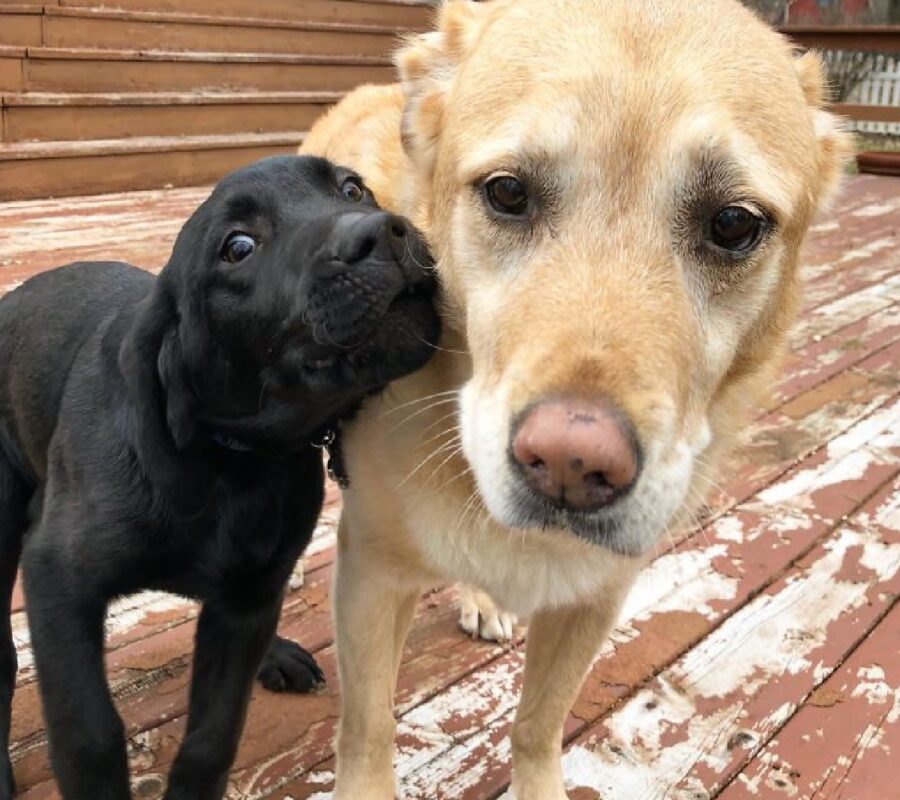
381, 236
376, 258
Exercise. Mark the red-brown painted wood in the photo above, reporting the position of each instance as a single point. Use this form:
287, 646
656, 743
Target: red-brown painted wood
79, 117
118, 30
818, 467
19, 27
63, 168
12, 77
879, 163
383, 12
76, 70
843, 742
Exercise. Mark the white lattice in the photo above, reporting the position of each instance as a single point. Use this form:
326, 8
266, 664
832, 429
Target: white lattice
881, 87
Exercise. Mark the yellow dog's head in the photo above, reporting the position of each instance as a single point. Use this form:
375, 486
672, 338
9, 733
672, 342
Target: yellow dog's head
616, 192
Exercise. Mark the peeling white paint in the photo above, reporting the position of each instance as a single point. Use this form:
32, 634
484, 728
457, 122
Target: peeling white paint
831, 317
752, 784
729, 529
870, 327
849, 456
774, 633
876, 209
325, 536
869, 249
781, 521
673, 583
820, 672
458, 771
654, 740
615, 768
887, 515
872, 685
489, 692
879, 431
894, 714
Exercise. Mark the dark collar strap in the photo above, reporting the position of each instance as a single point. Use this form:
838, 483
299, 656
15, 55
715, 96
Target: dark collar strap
229, 442
330, 440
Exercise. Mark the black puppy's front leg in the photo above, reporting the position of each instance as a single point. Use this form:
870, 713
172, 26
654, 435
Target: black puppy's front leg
229, 648
86, 735
9, 559
7, 673
14, 497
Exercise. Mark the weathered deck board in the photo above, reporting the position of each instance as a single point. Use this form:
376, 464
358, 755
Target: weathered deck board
815, 362
807, 484
138, 227
844, 741
694, 726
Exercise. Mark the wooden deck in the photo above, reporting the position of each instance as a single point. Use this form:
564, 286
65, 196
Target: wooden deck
759, 658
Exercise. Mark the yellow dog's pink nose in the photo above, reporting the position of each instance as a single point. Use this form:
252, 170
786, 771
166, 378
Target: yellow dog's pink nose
579, 454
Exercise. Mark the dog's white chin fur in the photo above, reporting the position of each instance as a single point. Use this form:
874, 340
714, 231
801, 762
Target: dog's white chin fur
632, 526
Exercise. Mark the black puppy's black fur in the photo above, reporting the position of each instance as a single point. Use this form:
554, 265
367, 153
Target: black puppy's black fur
156, 434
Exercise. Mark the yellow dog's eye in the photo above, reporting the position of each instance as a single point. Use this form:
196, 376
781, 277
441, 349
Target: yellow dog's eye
736, 229
353, 190
238, 247
507, 195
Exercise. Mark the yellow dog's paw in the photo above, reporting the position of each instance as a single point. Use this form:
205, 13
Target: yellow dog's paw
480, 617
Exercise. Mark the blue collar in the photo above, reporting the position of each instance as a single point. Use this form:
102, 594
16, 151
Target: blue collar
229, 442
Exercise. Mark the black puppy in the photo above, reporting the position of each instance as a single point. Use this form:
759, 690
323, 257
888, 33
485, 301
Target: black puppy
159, 434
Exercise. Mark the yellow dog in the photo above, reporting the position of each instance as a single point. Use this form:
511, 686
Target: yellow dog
616, 192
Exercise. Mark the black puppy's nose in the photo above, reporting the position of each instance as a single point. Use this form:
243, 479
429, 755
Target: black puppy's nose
381, 236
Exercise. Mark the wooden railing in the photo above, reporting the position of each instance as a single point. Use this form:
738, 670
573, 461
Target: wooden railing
883, 41
869, 38
875, 39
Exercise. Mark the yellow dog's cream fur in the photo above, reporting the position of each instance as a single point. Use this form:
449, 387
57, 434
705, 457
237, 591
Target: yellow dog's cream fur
633, 113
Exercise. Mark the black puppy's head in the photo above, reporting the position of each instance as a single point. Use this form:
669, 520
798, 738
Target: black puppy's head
292, 297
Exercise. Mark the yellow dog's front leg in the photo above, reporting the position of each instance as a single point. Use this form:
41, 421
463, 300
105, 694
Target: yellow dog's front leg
562, 645
373, 611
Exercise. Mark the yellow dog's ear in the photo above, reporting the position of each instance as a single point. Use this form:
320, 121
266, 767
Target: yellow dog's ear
836, 144
427, 66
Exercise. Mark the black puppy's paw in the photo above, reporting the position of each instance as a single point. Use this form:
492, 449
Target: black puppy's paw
7, 784
287, 667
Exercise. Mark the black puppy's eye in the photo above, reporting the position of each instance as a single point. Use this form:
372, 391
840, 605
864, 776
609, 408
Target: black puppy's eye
238, 247
736, 229
506, 195
353, 190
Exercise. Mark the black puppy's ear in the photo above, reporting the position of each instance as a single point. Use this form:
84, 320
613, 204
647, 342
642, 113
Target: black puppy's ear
180, 400
151, 363
158, 428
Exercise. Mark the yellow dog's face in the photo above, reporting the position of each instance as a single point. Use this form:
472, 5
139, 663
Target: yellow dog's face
616, 191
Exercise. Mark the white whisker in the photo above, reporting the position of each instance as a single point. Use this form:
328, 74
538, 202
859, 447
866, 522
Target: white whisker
419, 412
417, 400
453, 443
455, 452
